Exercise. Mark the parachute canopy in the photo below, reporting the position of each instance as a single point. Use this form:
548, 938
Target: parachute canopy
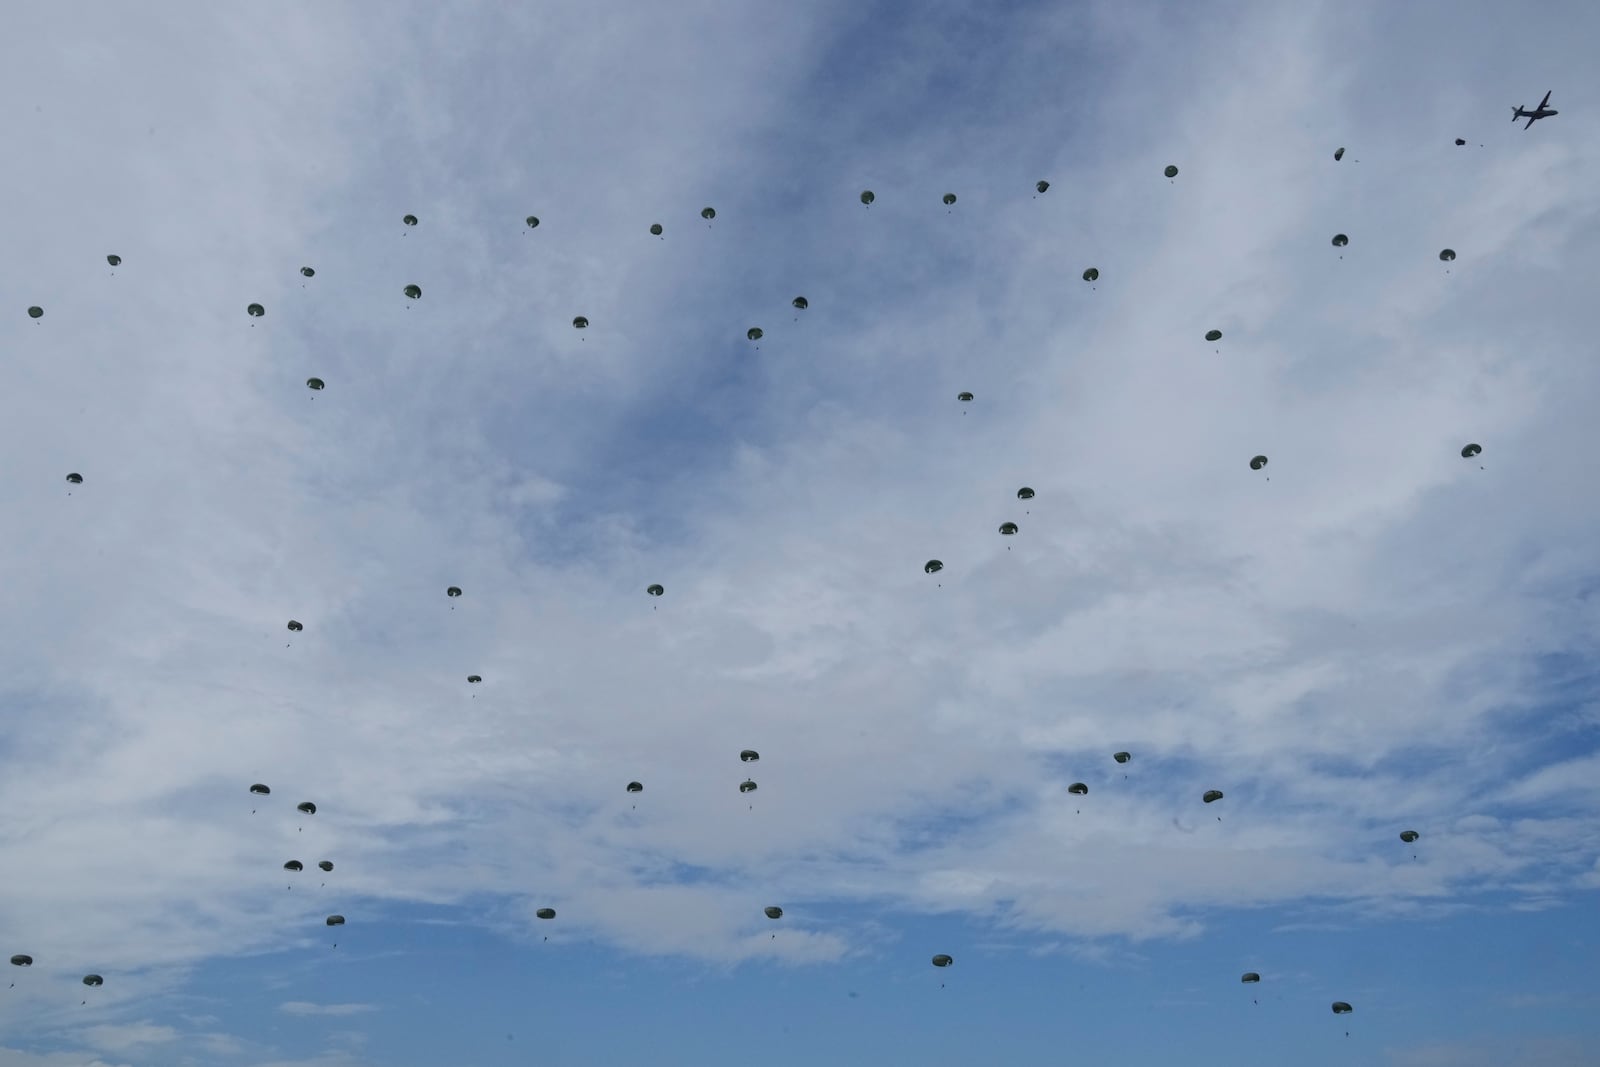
1249, 976
1042, 186
93, 980
414, 291
1171, 171
1447, 254
255, 311
474, 679
964, 397
1408, 836
949, 198
1340, 240
655, 229
306, 807
75, 478
1008, 528
655, 590
1213, 335
1212, 794
1092, 274
454, 590
1460, 141
295, 627
942, 960
580, 323
532, 221
1078, 789
336, 920
409, 220
308, 272
315, 384
636, 787
1024, 493
260, 790
800, 302
774, 913
708, 213
1122, 757
35, 311
867, 197
326, 865
750, 755
1471, 450
1341, 1008
22, 959
1258, 462
747, 786
547, 913
294, 865
1338, 154
933, 566
116, 260
753, 334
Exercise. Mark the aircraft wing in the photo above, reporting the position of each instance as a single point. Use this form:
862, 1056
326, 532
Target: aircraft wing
1545, 101
1531, 120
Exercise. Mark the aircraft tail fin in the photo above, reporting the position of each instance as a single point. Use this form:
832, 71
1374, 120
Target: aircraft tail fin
1516, 113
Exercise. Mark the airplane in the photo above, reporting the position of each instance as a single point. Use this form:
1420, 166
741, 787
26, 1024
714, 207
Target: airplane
1540, 112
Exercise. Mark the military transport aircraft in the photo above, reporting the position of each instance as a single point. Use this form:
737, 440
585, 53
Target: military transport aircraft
1540, 112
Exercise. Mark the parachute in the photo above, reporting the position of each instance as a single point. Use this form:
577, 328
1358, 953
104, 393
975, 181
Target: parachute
294, 865
635, 787
580, 323
750, 755
655, 229
410, 220
1091, 274
546, 913
1249, 976
942, 960
1122, 757
315, 384
414, 292
1024, 493
260, 790
1338, 155
93, 980
1258, 462
753, 334
949, 198
867, 197
1409, 836
1171, 171
708, 213
306, 807
747, 786
1213, 335
295, 627
933, 566
36, 311
532, 221
800, 302
255, 311
326, 865
774, 913
964, 397
474, 679
308, 272
1078, 789
655, 590
1471, 450
1340, 240
1211, 795
335, 920
1008, 528
116, 260
454, 590
1460, 141
1042, 186
1341, 1008
22, 959
1447, 255
75, 478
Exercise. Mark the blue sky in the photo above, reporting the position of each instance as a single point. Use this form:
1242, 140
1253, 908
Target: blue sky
1370, 635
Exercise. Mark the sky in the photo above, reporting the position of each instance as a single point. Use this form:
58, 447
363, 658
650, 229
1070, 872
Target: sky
1370, 634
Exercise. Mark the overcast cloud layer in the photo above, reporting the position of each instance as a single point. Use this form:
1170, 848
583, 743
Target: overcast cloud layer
1369, 635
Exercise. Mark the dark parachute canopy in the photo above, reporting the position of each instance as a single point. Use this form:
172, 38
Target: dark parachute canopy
335, 920
942, 960
410, 220
414, 291
750, 755
1008, 528
1212, 794
753, 334
747, 786
1340, 240
580, 323
867, 197
549, 913
655, 590
294, 865
306, 807
1338, 154
1249, 976
1258, 462
22, 959
1409, 836
1460, 141
1342, 1008
655, 229
93, 980
1092, 274
315, 384
1447, 254
800, 302
1471, 450
533, 222
474, 679
1024, 493
964, 397
1122, 757
708, 213
933, 566
949, 198
75, 478
1171, 171
1078, 789
636, 787
260, 790
35, 311
1213, 335
114, 260
454, 590
1042, 186
255, 311
295, 627
774, 913
308, 272
326, 865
